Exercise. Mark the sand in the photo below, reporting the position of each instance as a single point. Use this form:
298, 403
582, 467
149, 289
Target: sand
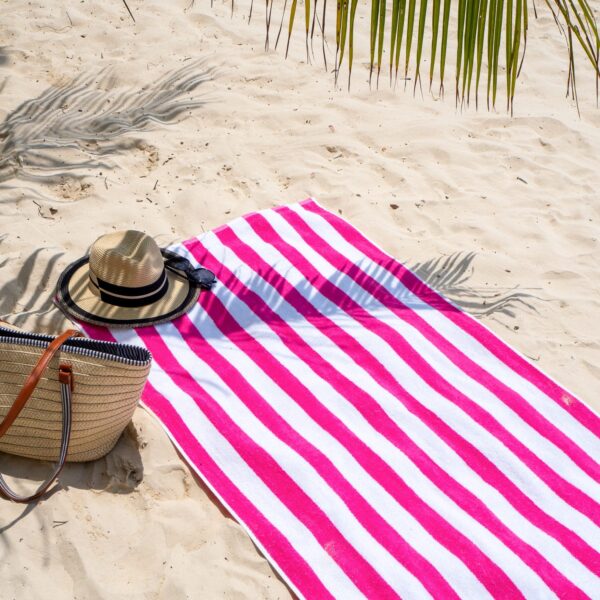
501, 214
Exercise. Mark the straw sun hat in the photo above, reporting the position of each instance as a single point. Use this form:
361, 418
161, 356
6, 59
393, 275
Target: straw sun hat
128, 281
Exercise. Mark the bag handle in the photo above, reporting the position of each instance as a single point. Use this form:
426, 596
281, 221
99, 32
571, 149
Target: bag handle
65, 377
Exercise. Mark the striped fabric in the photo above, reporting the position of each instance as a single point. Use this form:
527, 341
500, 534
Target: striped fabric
374, 440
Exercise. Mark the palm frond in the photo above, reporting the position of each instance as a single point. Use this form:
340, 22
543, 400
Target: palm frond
488, 37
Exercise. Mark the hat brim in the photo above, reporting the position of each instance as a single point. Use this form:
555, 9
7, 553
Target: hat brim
76, 297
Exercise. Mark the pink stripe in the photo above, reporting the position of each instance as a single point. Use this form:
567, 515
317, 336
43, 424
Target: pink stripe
288, 561
504, 393
488, 572
462, 497
577, 409
362, 510
364, 576
564, 489
98, 333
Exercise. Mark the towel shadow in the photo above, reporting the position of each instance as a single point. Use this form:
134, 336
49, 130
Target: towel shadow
78, 125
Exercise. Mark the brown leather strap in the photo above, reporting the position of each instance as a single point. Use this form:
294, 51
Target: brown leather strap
66, 387
65, 377
34, 377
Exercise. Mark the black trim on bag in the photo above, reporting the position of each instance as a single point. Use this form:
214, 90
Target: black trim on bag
109, 350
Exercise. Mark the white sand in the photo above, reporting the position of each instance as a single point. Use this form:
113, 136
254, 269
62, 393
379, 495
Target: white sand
521, 194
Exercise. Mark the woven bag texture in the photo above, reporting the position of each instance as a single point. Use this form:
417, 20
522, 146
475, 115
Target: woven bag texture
105, 395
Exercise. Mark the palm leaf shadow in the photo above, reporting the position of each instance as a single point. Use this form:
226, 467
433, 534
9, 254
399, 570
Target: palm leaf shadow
4, 55
26, 298
449, 276
88, 119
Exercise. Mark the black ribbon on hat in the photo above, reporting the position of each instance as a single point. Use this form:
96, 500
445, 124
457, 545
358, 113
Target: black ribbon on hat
120, 295
133, 297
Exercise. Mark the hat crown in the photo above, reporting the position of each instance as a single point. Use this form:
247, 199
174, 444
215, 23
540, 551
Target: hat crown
126, 258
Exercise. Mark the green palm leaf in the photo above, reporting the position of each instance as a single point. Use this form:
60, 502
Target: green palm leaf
489, 35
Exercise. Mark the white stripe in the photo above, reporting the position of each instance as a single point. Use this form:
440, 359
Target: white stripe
249, 484
477, 352
547, 546
450, 567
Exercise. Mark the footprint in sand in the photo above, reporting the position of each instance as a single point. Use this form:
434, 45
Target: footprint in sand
72, 189
151, 153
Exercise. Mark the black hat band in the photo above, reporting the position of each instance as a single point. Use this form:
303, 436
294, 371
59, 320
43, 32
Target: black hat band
119, 295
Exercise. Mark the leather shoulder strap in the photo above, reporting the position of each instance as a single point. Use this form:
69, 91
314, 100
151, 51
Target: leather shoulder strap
34, 377
65, 376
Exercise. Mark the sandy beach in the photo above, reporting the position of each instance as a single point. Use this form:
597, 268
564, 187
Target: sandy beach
499, 214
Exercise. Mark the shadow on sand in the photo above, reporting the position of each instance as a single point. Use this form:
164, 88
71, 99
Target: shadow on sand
26, 299
368, 286
449, 276
4, 56
119, 472
80, 124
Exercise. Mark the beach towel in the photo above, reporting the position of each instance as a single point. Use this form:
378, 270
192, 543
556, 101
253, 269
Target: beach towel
373, 439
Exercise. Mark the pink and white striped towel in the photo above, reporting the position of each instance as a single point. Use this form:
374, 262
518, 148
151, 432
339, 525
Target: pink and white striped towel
374, 440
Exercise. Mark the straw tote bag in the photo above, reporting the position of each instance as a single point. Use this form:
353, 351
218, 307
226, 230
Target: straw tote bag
65, 398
